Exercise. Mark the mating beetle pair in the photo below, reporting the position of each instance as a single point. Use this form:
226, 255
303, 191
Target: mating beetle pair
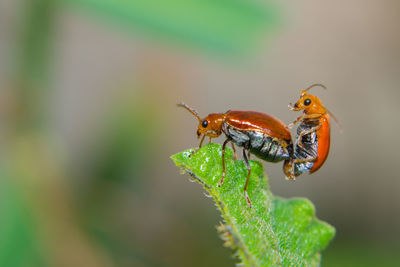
269, 138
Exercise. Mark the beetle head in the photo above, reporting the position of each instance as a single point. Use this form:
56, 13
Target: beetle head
312, 104
210, 126
309, 103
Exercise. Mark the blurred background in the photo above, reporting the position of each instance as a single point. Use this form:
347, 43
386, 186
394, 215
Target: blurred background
88, 121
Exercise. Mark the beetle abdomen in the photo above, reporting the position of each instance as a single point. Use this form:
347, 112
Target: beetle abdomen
310, 144
260, 144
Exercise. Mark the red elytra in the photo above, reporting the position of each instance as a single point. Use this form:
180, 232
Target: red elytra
258, 121
324, 141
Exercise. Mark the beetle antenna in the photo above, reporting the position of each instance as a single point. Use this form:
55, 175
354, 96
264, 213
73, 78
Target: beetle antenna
194, 112
311, 86
336, 120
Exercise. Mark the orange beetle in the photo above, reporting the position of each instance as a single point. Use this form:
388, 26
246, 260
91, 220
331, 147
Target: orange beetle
258, 133
313, 135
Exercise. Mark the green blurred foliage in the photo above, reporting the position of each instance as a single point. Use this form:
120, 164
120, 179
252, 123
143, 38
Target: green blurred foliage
115, 169
32, 71
355, 253
19, 244
222, 26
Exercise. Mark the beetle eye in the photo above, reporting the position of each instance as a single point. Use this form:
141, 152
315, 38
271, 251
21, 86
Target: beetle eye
307, 102
204, 123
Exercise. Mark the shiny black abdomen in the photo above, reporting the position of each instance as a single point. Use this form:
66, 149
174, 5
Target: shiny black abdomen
310, 144
260, 144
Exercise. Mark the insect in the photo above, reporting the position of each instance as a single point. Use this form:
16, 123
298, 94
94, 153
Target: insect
257, 133
313, 135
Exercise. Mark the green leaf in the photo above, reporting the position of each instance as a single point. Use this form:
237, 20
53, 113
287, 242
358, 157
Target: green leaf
275, 231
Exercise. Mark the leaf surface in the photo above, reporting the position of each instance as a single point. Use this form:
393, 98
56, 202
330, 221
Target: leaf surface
275, 231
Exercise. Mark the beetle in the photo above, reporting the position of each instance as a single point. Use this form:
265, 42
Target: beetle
313, 135
257, 133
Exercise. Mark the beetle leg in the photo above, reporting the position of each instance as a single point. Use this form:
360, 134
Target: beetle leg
304, 160
234, 151
282, 143
304, 116
300, 118
293, 162
209, 141
313, 129
197, 149
201, 141
311, 116
223, 163
288, 170
248, 176
290, 125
